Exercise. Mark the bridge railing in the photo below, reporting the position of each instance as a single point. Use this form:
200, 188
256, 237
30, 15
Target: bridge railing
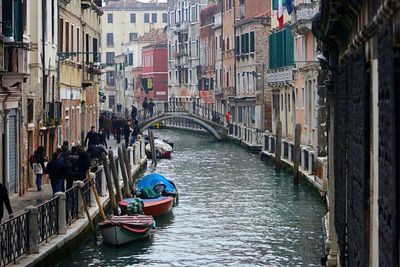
183, 106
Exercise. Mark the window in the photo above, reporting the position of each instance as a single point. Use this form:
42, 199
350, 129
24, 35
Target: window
72, 38
110, 39
52, 20
111, 101
164, 17
130, 59
77, 43
66, 36
110, 18
110, 57
110, 78
154, 17
133, 18
252, 44
146, 18
61, 35
303, 98
133, 36
227, 43
281, 49
237, 45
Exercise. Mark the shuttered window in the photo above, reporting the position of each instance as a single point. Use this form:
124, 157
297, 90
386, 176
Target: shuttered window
252, 44
281, 49
246, 42
275, 4
242, 45
237, 45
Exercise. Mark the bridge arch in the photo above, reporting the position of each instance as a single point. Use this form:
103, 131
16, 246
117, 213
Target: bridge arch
146, 124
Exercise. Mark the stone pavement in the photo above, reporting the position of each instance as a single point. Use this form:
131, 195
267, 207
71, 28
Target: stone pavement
35, 198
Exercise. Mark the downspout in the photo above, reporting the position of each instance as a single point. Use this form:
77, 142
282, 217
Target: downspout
44, 93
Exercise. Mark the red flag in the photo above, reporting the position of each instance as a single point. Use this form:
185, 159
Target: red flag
280, 20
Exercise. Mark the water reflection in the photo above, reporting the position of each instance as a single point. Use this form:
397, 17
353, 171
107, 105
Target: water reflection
233, 211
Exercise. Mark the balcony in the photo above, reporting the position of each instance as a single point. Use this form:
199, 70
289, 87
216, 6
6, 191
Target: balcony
86, 4
181, 27
280, 75
301, 18
52, 114
182, 61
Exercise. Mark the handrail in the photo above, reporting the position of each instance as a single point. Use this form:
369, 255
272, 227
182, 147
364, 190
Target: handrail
47, 219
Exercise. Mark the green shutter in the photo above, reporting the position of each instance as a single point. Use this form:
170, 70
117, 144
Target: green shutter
247, 42
237, 43
18, 21
252, 45
273, 51
242, 47
275, 4
289, 46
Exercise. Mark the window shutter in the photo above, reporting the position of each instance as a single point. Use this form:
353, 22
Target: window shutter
275, 4
237, 48
289, 40
242, 48
252, 45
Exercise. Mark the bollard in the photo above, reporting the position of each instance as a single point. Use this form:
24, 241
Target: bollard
296, 158
33, 229
278, 147
80, 200
142, 149
92, 196
131, 155
62, 216
137, 154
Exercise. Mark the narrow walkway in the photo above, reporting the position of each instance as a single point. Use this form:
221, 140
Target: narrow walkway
35, 198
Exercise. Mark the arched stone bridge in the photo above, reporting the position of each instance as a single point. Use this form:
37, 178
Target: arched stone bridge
209, 120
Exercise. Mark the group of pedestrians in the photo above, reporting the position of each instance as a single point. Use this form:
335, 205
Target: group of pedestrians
121, 128
148, 107
64, 167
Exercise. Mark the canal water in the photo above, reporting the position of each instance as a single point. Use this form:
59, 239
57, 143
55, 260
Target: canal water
233, 211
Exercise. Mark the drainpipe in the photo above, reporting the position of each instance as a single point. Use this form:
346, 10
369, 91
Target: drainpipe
44, 81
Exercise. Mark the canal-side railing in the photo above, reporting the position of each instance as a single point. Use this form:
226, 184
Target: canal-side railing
71, 204
47, 219
14, 238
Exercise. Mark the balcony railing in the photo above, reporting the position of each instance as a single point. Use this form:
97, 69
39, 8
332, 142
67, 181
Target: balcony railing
217, 20
301, 19
280, 75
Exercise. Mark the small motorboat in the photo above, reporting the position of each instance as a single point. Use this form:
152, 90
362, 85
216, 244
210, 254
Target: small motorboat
155, 206
158, 182
120, 230
163, 149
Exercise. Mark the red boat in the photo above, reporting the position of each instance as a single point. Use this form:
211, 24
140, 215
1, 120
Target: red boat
155, 207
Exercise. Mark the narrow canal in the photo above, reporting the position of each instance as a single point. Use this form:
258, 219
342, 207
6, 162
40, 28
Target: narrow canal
233, 211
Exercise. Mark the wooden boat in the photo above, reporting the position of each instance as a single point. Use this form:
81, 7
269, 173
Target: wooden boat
163, 150
120, 230
154, 207
164, 187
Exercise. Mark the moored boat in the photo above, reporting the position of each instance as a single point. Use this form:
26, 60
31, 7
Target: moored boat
163, 149
120, 230
163, 186
155, 207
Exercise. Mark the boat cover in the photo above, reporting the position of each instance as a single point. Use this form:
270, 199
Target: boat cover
152, 180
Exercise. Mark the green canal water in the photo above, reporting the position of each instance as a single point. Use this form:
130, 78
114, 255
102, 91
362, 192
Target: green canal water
233, 211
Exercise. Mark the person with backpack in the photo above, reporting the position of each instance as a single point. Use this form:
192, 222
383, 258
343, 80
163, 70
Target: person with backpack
37, 161
57, 171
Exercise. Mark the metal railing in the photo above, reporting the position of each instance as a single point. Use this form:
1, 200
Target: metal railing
71, 205
14, 238
47, 219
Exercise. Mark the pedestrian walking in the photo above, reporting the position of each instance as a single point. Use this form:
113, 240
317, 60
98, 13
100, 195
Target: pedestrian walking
92, 136
102, 138
151, 107
57, 171
82, 164
127, 132
37, 161
5, 201
71, 163
107, 126
145, 106
133, 113
118, 126
228, 118
135, 132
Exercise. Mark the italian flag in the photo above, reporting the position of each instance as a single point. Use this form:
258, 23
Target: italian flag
280, 13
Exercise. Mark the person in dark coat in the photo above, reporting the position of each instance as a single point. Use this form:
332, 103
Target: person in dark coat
145, 106
58, 172
135, 132
102, 138
38, 165
4, 200
92, 136
133, 113
127, 132
151, 107
71, 161
82, 164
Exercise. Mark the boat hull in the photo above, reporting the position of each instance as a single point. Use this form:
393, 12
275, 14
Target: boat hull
154, 207
117, 235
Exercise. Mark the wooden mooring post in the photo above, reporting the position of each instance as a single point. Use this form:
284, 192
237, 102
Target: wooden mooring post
152, 148
278, 147
127, 190
110, 187
296, 158
118, 194
128, 166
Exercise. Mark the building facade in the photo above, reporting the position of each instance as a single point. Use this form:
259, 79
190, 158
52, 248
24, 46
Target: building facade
79, 35
123, 22
184, 48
